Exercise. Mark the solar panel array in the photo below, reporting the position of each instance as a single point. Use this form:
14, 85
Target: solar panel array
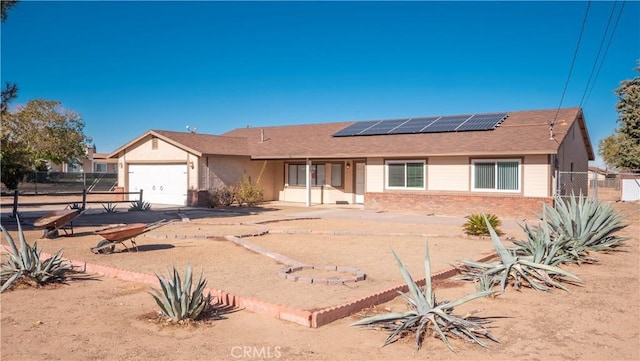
449, 123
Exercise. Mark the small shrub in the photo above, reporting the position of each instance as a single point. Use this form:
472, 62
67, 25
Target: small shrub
428, 314
178, 300
248, 193
109, 207
476, 226
222, 197
25, 264
140, 206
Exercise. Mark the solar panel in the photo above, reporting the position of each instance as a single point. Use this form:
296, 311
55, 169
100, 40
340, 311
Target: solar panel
413, 125
450, 123
482, 122
447, 124
383, 127
356, 128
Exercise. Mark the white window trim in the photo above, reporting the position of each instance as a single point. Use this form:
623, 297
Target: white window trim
495, 190
424, 173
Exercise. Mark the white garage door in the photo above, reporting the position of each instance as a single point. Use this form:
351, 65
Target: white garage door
161, 183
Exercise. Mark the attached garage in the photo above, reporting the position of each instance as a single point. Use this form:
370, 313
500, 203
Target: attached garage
160, 183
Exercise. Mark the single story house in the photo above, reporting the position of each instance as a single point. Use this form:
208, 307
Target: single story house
501, 163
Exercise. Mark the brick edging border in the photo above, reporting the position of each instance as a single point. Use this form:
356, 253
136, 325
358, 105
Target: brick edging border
306, 318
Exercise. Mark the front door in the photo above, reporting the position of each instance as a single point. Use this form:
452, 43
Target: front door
359, 183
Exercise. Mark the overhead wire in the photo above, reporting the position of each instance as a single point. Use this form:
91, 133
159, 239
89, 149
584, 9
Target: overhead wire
573, 62
595, 62
613, 32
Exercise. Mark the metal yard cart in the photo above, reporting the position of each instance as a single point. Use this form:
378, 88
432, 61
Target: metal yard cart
53, 221
121, 233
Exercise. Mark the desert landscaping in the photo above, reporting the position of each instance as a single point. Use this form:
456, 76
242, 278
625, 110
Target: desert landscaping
108, 318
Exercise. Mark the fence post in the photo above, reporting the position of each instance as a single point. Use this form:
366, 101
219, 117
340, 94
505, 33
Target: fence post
595, 181
15, 203
141, 196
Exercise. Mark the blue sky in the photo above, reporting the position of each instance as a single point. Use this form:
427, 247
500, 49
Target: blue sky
128, 67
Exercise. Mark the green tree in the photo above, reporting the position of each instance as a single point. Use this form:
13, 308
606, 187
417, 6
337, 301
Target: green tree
6, 5
40, 131
622, 149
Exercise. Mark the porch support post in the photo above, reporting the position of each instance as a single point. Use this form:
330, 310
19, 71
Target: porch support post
308, 182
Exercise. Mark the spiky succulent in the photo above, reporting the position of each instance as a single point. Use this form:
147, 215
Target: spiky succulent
542, 246
181, 300
140, 206
427, 314
476, 226
588, 225
520, 270
25, 264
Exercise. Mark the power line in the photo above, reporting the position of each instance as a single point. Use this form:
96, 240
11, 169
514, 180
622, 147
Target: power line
606, 50
595, 62
573, 62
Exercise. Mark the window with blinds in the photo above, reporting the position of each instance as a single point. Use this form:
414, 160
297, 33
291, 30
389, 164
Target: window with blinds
496, 175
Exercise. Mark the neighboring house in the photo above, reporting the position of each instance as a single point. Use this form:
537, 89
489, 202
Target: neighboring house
92, 162
508, 171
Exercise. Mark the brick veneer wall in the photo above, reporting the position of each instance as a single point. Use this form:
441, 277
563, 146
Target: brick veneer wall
504, 206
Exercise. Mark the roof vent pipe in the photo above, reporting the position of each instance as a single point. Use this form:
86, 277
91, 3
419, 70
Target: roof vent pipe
261, 135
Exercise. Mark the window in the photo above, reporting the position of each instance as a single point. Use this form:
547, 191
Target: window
496, 175
297, 174
101, 167
408, 174
336, 174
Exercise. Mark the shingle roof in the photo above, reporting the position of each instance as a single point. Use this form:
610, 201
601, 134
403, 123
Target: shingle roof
198, 144
523, 132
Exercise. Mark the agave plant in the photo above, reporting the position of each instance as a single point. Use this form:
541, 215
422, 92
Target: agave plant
180, 301
109, 207
588, 224
476, 225
426, 313
519, 269
25, 264
139, 205
542, 246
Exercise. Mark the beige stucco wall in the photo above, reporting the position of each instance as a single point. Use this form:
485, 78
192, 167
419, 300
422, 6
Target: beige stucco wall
573, 150
535, 176
448, 174
224, 171
374, 174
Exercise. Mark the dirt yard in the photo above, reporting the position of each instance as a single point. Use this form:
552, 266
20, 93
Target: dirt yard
108, 319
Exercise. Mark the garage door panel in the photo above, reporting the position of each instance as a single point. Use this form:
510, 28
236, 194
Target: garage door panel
160, 183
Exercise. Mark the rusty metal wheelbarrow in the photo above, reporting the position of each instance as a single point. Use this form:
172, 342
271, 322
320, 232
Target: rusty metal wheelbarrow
53, 221
121, 233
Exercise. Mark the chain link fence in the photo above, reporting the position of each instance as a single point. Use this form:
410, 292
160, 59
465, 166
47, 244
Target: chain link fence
608, 187
54, 182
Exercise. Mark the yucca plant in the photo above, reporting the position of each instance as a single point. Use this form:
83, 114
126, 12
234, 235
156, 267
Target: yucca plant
521, 270
426, 313
109, 207
139, 205
180, 300
24, 264
588, 224
476, 225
